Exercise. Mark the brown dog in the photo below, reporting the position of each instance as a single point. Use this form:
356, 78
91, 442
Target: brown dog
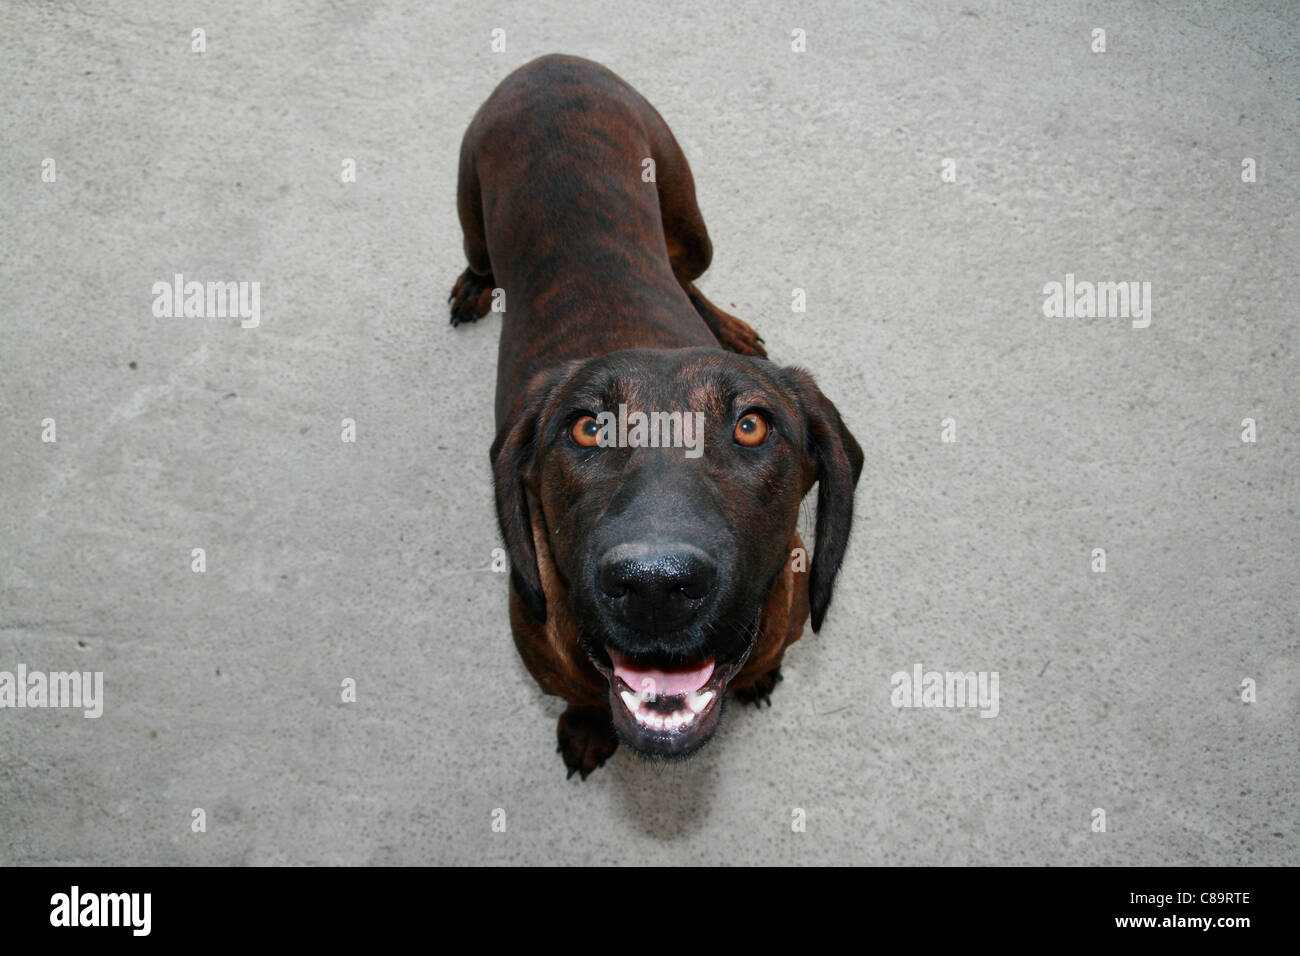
645, 580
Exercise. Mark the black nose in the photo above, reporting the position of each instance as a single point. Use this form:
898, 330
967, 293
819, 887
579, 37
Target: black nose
653, 587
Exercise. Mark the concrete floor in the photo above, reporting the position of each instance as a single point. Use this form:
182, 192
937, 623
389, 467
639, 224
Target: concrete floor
822, 170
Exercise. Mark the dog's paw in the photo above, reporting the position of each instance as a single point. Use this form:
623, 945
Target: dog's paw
739, 336
470, 298
735, 335
760, 691
587, 738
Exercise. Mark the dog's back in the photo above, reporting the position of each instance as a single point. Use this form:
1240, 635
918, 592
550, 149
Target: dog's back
561, 170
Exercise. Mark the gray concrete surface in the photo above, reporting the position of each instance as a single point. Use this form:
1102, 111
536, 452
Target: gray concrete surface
1119, 690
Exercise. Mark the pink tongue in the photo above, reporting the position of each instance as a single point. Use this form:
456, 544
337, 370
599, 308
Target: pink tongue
650, 681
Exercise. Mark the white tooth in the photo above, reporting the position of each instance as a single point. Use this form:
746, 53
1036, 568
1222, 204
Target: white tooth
686, 716
698, 701
630, 699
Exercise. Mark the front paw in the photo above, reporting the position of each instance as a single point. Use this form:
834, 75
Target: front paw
587, 738
760, 691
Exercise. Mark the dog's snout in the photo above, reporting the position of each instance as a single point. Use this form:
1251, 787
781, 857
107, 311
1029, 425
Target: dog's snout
655, 587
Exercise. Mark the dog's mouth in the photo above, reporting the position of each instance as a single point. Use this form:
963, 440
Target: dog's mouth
665, 709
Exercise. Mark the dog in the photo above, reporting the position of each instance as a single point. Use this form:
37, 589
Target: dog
645, 581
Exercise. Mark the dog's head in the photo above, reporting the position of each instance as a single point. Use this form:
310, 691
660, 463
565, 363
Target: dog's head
668, 485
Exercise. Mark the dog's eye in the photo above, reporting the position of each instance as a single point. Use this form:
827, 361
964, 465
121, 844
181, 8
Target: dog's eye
751, 430
586, 431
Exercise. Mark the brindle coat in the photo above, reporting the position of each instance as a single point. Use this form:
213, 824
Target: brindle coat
598, 266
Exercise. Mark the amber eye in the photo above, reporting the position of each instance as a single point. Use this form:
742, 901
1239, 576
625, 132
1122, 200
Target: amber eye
586, 431
751, 430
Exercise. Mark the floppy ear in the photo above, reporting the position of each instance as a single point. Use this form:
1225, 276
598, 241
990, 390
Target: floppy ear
514, 460
835, 462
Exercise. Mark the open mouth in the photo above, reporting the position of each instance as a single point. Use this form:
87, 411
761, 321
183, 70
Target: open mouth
665, 709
